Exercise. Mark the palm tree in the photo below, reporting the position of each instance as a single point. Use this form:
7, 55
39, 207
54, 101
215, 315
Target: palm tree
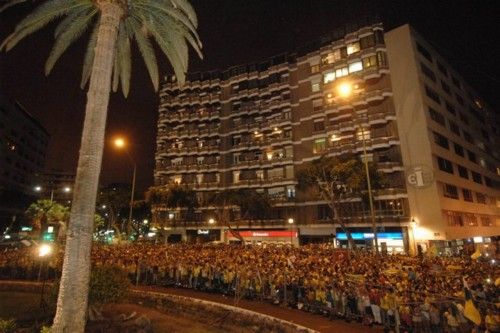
107, 63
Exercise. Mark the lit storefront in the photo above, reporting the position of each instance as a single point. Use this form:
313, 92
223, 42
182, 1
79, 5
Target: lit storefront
263, 236
392, 241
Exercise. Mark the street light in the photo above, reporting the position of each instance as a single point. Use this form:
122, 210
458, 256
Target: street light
120, 143
290, 222
65, 189
345, 90
43, 251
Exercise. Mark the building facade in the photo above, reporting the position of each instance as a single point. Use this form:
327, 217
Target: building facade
55, 185
256, 126
23, 146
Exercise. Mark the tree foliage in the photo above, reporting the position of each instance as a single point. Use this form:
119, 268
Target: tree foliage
171, 24
43, 212
339, 180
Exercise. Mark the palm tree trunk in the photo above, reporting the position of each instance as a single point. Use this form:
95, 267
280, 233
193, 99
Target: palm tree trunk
73, 290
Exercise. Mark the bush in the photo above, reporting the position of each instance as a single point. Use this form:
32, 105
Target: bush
45, 329
8, 325
108, 284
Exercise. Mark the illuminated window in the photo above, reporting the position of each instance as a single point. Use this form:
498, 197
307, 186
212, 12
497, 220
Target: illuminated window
199, 178
331, 57
369, 61
329, 77
341, 72
315, 86
259, 174
319, 146
353, 48
177, 180
314, 69
363, 134
355, 67
317, 104
236, 177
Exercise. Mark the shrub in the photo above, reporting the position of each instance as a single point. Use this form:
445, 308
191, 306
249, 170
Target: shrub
45, 329
107, 284
7, 325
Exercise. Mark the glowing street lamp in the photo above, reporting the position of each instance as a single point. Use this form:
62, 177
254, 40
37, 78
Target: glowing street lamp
211, 221
44, 250
345, 90
120, 143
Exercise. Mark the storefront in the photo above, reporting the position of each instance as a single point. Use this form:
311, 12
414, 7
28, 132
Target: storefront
390, 240
263, 236
202, 235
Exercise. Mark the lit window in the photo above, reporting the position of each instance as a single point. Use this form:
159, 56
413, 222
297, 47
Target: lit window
314, 69
341, 72
353, 48
331, 57
236, 176
177, 179
363, 134
355, 67
329, 77
315, 87
369, 61
319, 146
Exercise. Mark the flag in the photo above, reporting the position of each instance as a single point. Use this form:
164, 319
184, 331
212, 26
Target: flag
472, 313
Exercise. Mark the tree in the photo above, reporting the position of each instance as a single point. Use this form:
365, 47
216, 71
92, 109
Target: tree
251, 205
44, 212
338, 180
107, 63
115, 198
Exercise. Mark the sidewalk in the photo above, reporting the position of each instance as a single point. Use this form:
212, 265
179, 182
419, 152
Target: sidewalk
306, 319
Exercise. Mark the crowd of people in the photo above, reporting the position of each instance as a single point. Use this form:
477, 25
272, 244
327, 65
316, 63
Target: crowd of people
402, 293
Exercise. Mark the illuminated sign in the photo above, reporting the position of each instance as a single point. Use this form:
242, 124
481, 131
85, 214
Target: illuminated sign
369, 235
420, 176
203, 232
266, 233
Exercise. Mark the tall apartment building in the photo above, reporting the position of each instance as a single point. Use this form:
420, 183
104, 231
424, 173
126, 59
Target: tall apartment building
256, 126
23, 146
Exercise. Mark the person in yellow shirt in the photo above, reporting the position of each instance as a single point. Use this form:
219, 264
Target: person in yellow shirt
492, 322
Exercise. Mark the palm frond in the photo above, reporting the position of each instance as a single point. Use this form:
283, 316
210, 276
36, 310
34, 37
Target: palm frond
10, 3
145, 48
42, 15
66, 22
66, 38
123, 57
88, 59
186, 7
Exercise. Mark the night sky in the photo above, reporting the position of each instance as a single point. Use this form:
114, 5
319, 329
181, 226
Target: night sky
233, 32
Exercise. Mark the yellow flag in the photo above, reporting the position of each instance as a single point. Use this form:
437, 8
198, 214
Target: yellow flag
471, 313
476, 255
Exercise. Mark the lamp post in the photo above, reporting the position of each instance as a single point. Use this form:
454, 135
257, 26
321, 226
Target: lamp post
290, 223
345, 90
43, 252
65, 189
120, 143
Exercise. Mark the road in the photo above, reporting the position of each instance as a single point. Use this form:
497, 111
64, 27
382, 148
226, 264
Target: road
306, 319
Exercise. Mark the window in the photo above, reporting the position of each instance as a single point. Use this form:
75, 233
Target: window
319, 146
476, 177
331, 57
467, 195
317, 104
432, 94
315, 87
355, 67
455, 219
450, 108
446, 87
472, 156
468, 137
454, 127
442, 69
236, 158
450, 191
314, 69
236, 140
428, 72
441, 140
462, 171
328, 77
353, 48
481, 198
445, 165
236, 176
369, 61
319, 125
486, 221
437, 117
341, 72
381, 59
367, 41
423, 51
470, 219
